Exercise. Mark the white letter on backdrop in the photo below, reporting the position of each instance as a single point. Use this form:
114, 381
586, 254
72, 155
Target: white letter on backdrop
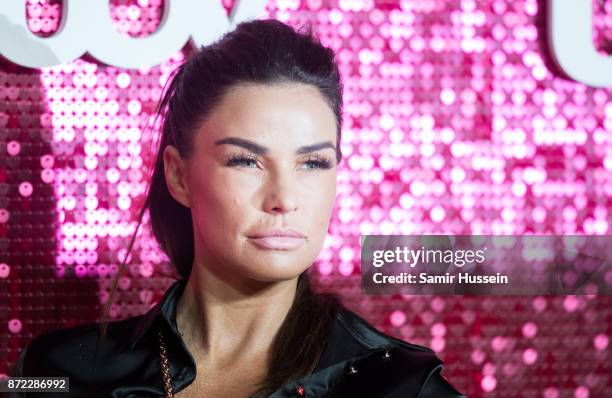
570, 31
87, 26
22, 47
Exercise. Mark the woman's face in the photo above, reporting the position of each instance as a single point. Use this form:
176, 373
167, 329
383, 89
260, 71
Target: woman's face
265, 159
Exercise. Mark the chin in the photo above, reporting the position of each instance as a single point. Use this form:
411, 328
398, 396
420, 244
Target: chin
275, 272
276, 278
273, 277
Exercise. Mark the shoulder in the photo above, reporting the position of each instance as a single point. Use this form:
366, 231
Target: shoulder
399, 368
371, 337
73, 352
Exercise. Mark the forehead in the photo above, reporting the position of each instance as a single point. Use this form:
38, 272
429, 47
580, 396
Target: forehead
277, 115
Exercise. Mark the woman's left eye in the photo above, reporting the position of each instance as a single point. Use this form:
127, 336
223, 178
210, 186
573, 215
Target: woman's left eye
318, 164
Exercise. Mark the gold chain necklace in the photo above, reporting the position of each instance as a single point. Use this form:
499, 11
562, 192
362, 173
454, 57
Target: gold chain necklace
165, 369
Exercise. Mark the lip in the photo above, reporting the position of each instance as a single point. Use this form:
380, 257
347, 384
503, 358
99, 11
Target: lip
287, 232
278, 242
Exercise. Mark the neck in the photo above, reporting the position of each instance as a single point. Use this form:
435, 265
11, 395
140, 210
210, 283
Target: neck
222, 321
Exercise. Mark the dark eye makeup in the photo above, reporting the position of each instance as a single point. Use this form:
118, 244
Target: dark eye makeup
316, 161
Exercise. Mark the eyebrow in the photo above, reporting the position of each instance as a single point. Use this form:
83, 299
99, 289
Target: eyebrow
262, 150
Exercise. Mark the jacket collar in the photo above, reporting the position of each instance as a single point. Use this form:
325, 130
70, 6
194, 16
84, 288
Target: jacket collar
353, 343
348, 321
164, 310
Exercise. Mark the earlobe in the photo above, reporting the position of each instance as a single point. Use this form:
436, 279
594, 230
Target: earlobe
174, 172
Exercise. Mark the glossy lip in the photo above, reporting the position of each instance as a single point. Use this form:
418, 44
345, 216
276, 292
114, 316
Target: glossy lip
278, 242
287, 232
278, 239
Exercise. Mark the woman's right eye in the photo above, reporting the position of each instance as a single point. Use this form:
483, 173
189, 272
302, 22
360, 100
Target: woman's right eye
238, 160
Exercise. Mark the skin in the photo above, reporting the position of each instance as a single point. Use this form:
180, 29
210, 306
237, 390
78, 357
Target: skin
238, 294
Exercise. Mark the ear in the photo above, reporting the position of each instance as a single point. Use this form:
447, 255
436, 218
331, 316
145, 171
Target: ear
176, 177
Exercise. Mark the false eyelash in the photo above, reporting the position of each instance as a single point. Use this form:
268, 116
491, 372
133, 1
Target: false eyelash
234, 160
321, 162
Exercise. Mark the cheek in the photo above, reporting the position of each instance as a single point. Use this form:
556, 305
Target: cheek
319, 201
220, 198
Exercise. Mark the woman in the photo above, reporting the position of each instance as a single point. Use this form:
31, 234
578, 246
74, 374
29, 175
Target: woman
240, 201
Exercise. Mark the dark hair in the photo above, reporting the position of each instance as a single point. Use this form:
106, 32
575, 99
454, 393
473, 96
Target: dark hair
263, 52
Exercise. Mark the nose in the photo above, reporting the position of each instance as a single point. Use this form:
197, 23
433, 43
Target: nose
281, 193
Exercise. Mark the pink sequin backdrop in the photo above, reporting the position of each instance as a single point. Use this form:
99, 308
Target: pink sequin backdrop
456, 122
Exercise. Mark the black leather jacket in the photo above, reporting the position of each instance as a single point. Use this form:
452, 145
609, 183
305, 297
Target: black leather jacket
359, 360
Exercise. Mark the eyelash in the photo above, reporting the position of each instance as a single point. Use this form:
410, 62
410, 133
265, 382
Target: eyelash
318, 161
